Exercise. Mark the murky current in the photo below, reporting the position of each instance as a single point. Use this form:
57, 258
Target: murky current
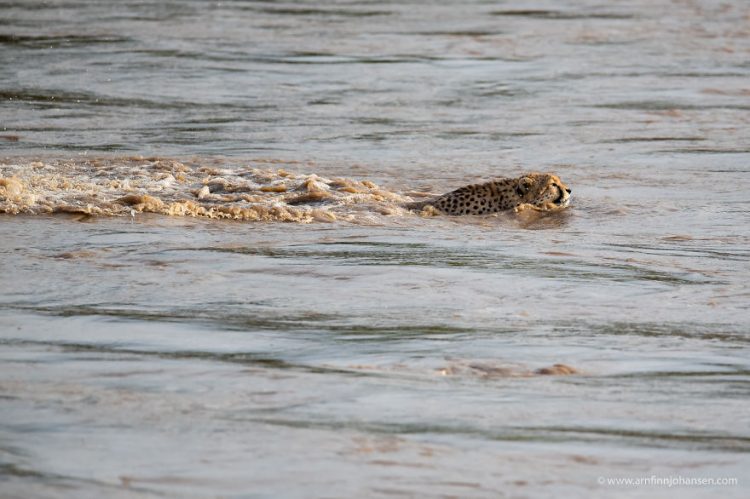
209, 285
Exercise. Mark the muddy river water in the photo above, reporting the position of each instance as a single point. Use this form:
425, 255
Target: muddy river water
209, 286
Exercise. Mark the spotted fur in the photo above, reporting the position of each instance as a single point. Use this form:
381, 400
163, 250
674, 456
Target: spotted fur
536, 191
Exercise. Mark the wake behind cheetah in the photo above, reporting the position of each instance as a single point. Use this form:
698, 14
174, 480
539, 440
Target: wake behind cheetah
535, 191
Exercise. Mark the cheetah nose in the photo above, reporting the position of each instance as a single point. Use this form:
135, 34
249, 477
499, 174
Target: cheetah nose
569, 191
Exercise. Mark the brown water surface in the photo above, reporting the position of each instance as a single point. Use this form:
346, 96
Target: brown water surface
208, 286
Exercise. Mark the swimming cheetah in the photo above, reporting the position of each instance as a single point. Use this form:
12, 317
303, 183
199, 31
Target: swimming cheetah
536, 191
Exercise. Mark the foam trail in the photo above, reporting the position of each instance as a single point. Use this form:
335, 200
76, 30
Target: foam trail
123, 186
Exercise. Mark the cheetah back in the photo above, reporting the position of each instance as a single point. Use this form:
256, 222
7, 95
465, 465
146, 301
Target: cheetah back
478, 199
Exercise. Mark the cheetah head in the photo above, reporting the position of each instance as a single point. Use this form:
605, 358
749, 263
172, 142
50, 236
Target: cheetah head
543, 190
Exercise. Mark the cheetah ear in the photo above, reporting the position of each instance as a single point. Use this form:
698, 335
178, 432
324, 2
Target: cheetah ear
524, 184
